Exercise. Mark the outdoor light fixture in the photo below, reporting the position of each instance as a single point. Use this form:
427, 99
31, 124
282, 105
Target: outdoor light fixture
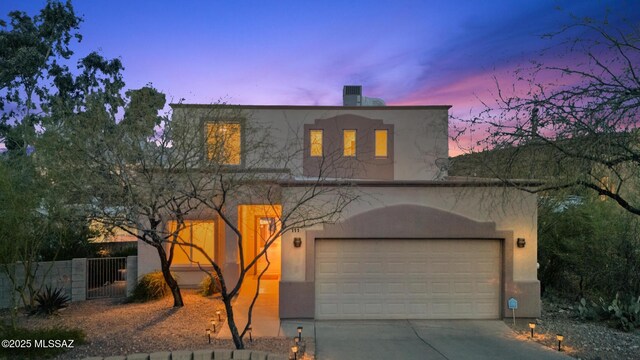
218, 313
532, 326
213, 325
296, 340
297, 242
521, 242
209, 335
300, 333
294, 350
249, 331
560, 337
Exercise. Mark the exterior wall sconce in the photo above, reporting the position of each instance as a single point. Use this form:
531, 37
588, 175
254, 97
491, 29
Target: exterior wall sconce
532, 326
560, 337
521, 242
297, 242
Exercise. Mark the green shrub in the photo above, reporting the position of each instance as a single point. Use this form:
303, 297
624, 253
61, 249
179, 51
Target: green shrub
50, 301
150, 287
43, 336
209, 287
587, 248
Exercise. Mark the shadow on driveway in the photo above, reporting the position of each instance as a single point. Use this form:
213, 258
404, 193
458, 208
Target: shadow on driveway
424, 339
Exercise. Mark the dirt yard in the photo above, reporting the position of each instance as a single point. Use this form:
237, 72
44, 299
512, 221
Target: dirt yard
114, 328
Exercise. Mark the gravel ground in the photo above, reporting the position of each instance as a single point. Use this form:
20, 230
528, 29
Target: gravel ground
114, 328
582, 340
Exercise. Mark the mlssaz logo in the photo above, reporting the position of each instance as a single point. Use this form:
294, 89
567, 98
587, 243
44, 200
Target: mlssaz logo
54, 343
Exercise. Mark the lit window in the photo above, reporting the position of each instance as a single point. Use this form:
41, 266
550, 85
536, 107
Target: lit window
315, 137
195, 232
349, 137
381, 143
223, 143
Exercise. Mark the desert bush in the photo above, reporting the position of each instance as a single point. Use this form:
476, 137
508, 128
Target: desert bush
150, 287
587, 249
49, 301
209, 285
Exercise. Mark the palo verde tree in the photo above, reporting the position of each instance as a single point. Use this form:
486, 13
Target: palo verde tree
572, 122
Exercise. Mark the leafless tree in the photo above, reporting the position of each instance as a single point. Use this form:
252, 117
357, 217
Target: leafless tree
267, 177
571, 121
136, 179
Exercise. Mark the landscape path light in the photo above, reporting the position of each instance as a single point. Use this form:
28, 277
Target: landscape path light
213, 325
209, 335
294, 350
560, 337
249, 331
532, 325
219, 316
300, 333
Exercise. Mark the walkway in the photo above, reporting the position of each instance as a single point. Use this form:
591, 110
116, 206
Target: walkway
265, 320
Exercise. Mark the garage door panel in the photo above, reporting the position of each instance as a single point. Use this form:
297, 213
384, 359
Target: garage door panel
327, 289
397, 279
327, 267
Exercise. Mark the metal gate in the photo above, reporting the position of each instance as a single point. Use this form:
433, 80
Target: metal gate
106, 277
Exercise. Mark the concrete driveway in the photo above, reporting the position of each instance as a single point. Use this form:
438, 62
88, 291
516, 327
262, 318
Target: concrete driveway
424, 339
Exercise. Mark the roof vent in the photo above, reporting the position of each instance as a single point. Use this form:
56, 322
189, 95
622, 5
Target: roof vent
352, 96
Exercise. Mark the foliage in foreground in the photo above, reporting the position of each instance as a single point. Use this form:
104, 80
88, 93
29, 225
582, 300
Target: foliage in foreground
150, 287
49, 301
53, 339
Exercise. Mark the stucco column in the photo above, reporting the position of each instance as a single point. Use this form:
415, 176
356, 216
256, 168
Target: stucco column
132, 274
79, 279
231, 267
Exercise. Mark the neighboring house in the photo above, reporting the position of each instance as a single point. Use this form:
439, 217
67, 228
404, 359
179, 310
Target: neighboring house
419, 245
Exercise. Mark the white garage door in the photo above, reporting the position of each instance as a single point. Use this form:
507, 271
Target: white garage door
407, 279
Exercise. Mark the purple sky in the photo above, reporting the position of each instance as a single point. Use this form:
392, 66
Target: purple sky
302, 52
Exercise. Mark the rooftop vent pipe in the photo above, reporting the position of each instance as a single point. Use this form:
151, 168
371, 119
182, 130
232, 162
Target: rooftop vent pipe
352, 96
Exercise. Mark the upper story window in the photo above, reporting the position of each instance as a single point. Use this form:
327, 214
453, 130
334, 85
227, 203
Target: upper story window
224, 143
349, 137
381, 143
200, 233
315, 139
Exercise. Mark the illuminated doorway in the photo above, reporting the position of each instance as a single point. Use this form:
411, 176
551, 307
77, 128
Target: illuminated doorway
259, 225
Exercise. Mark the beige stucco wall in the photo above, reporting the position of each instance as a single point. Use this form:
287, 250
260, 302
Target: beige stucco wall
420, 133
510, 209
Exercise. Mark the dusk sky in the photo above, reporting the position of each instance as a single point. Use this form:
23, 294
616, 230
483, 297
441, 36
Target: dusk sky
303, 52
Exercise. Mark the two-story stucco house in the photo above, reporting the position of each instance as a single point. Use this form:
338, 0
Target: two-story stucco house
419, 245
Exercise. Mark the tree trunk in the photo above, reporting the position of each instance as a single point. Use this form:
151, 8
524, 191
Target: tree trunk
169, 279
231, 322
